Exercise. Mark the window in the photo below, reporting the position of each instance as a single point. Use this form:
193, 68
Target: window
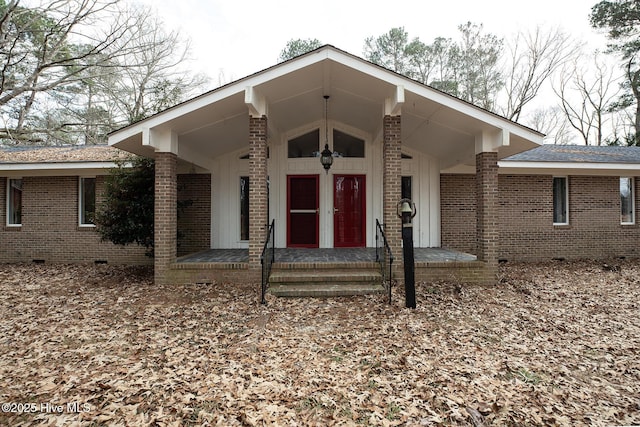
305, 145
560, 200
14, 202
87, 201
346, 145
244, 208
406, 188
627, 205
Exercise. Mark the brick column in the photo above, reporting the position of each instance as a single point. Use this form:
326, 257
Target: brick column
258, 196
487, 209
391, 184
165, 215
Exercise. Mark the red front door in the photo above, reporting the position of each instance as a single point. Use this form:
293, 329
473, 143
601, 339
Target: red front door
302, 211
349, 217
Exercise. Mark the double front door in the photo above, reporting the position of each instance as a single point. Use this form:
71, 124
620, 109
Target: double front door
303, 211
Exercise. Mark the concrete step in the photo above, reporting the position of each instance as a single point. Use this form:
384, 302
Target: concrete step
302, 266
326, 281
324, 277
325, 289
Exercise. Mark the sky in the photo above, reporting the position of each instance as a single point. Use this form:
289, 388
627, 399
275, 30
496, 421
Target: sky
231, 39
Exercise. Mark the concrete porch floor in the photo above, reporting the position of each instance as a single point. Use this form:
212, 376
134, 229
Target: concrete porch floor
292, 255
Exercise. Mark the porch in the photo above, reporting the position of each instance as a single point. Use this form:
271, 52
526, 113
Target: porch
326, 271
315, 255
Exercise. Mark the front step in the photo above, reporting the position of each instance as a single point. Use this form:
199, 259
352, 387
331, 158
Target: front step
324, 280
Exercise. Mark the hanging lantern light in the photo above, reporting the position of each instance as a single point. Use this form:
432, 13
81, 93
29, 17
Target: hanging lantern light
326, 156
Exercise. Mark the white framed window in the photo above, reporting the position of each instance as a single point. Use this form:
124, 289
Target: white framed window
627, 202
244, 208
560, 200
306, 145
345, 145
14, 202
86, 201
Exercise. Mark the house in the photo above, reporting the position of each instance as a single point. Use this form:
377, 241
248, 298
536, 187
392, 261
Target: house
249, 154
48, 197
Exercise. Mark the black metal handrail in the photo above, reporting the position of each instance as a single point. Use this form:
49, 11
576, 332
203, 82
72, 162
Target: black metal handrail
267, 258
384, 256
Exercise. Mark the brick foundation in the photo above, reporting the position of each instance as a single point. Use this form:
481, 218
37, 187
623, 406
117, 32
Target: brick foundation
213, 273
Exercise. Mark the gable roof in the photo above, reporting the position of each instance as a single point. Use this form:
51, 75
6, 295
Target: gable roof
291, 94
578, 154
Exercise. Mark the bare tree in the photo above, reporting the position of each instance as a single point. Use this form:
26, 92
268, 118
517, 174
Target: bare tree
532, 59
552, 122
72, 70
50, 46
153, 77
586, 96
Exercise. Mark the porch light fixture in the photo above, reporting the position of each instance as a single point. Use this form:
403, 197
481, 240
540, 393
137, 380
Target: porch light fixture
326, 156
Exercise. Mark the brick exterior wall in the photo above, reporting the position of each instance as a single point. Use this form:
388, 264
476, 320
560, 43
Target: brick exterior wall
526, 230
458, 212
50, 230
391, 184
165, 215
194, 221
258, 196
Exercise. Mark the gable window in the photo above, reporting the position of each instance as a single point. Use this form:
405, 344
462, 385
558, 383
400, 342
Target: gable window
560, 200
14, 202
345, 145
244, 208
627, 205
87, 201
304, 145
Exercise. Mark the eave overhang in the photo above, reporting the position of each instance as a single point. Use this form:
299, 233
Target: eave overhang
568, 168
291, 94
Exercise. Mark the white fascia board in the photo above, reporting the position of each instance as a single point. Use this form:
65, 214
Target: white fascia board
568, 168
123, 134
56, 169
56, 166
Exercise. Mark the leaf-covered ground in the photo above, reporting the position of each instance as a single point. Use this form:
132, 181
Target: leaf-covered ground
551, 344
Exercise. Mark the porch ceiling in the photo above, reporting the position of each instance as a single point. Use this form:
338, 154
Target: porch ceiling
432, 122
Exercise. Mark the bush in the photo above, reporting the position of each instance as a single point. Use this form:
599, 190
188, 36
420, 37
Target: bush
125, 215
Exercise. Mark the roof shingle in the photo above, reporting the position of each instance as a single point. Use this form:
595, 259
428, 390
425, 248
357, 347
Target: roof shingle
578, 154
71, 153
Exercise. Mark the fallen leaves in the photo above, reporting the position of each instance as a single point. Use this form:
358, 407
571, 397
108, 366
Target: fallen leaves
551, 344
